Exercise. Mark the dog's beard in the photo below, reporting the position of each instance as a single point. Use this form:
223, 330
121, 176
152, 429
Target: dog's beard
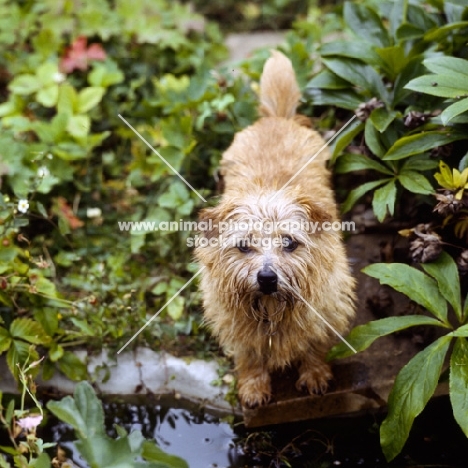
267, 310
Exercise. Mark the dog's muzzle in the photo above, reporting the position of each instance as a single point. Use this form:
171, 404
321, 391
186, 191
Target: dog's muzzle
267, 280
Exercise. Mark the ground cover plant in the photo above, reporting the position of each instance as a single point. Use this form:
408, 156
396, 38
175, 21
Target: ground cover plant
71, 169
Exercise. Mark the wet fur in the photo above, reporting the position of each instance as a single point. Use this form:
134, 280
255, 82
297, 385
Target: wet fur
260, 161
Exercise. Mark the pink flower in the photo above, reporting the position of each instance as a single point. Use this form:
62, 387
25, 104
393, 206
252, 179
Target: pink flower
78, 55
30, 423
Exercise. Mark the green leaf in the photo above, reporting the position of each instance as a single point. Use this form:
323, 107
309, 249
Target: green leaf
151, 452
18, 353
394, 60
382, 118
415, 182
446, 64
42, 461
352, 49
419, 163
459, 383
455, 109
384, 198
373, 139
362, 336
5, 340
439, 33
105, 75
24, 84
444, 270
419, 287
454, 85
419, 143
67, 100
358, 192
78, 126
327, 80
344, 99
460, 331
89, 98
55, 352
71, 365
28, 330
176, 308
346, 137
83, 412
48, 96
365, 22
363, 76
358, 162
413, 387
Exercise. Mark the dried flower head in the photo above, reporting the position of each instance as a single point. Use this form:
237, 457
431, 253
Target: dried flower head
448, 204
365, 108
427, 245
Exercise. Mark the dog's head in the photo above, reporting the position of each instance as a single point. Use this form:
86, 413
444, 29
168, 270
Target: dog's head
266, 250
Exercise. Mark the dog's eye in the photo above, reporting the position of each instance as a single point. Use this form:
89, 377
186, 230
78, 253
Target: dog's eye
243, 246
289, 244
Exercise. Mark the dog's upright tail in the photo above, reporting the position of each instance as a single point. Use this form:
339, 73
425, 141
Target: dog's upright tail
279, 91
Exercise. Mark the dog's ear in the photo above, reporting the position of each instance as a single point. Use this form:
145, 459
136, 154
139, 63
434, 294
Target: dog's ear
316, 212
209, 220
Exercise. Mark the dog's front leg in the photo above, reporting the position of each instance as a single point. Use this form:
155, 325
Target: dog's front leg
314, 373
253, 380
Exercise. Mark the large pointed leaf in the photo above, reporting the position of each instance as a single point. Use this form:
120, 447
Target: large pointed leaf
415, 182
362, 336
358, 192
413, 387
455, 109
346, 137
459, 383
444, 271
446, 64
373, 139
363, 76
352, 49
382, 118
419, 143
413, 283
447, 85
460, 331
358, 162
365, 22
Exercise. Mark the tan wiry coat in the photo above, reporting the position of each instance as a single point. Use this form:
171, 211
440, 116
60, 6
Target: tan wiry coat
262, 183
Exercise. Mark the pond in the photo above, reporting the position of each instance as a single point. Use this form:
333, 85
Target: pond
206, 441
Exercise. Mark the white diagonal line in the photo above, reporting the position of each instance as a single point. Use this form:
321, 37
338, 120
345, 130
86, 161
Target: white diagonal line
318, 315
160, 157
161, 309
315, 155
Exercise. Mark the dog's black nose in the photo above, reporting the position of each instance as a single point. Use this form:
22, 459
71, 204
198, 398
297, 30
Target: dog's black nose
267, 280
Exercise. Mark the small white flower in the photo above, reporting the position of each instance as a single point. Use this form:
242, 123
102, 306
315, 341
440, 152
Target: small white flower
58, 77
93, 212
43, 172
49, 156
23, 206
30, 422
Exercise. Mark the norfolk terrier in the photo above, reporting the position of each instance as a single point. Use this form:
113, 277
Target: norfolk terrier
276, 293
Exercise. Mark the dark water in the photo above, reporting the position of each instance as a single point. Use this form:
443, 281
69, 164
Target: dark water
205, 441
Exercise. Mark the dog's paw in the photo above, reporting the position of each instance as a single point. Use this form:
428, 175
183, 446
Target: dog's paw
315, 380
254, 393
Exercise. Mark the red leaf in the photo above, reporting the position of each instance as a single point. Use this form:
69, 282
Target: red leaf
96, 52
78, 55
